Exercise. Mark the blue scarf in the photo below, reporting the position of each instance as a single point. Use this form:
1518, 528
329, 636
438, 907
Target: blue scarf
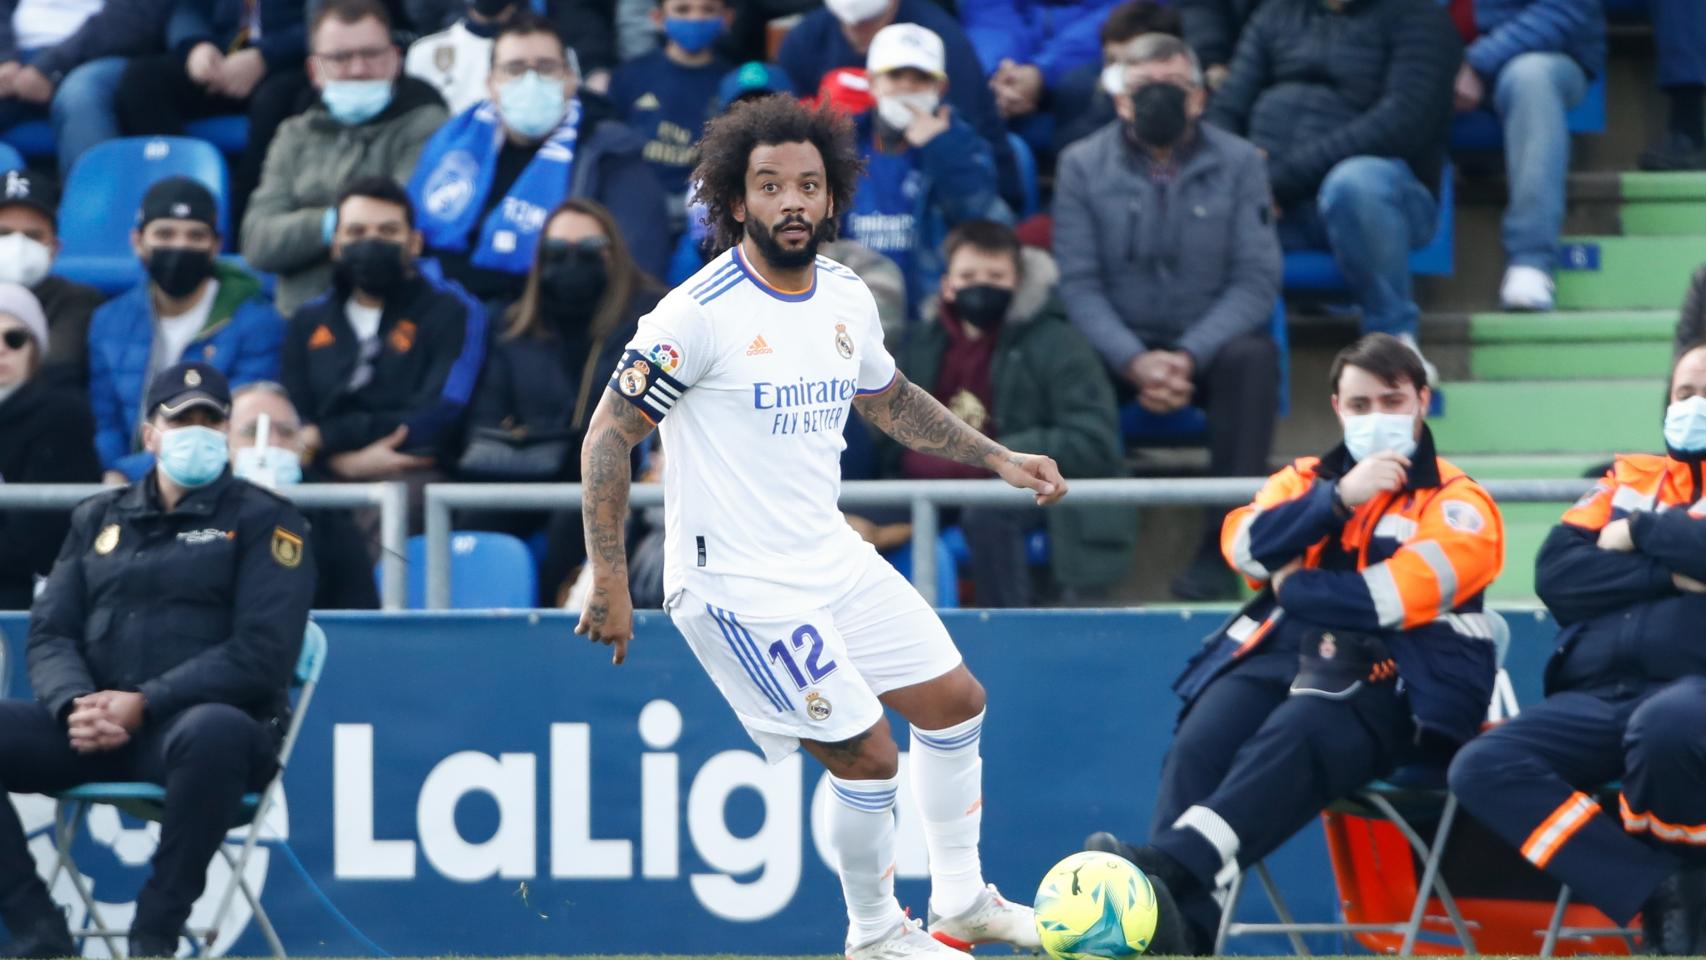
454, 176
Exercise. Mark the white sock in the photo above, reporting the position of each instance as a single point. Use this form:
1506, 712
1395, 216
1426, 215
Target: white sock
861, 824
947, 780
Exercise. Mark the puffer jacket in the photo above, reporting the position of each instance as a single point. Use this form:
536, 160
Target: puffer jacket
1510, 28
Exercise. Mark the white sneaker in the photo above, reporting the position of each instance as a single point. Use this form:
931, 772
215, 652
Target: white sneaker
907, 941
990, 919
1427, 365
1526, 288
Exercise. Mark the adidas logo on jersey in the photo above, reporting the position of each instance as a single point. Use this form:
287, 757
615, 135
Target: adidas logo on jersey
758, 347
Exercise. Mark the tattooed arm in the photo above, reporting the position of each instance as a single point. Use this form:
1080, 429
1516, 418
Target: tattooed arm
913, 417
616, 427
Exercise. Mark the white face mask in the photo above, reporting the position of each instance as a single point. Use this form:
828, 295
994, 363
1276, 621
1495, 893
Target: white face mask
1371, 433
1685, 425
1113, 79
896, 109
856, 11
23, 261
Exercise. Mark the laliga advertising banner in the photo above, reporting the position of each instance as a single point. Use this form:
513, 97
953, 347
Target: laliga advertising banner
490, 784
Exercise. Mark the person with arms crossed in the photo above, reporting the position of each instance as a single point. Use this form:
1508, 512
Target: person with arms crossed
750, 367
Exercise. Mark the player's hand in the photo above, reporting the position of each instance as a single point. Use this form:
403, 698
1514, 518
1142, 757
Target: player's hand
1687, 584
1615, 536
1385, 472
608, 616
1035, 473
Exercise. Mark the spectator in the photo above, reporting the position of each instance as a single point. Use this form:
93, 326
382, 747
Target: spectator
1679, 29
1213, 27
489, 177
1028, 47
1170, 266
1351, 103
383, 366
369, 121
458, 59
996, 350
45, 437
266, 450
548, 369
29, 240
1083, 101
840, 36
1532, 59
925, 168
226, 56
190, 307
667, 94
63, 60
161, 650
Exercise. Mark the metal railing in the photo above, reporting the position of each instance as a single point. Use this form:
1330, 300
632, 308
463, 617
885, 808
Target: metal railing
925, 497
390, 498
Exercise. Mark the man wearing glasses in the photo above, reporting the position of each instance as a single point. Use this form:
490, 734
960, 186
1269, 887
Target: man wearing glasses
370, 121
489, 178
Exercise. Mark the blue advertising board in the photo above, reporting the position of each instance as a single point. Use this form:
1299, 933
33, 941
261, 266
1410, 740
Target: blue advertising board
490, 784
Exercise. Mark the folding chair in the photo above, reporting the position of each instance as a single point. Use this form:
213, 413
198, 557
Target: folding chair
146, 801
1556, 928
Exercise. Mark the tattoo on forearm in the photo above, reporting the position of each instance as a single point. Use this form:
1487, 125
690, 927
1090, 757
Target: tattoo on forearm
605, 476
915, 418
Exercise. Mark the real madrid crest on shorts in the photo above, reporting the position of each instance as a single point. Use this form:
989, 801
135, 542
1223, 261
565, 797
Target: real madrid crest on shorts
286, 548
817, 707
843, 342
107, 540
633, 379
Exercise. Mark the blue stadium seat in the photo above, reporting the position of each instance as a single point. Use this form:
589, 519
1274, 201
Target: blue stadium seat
229, 134
1185, 426
1037, 548
947, 571
1315, 270
10, 158
488, 571
1027, 162
1480, 129
32, 138
104, 191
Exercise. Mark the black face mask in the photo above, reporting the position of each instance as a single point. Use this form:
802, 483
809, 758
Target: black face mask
982, 305
177, 271
1158, 114
375, 267
572, 285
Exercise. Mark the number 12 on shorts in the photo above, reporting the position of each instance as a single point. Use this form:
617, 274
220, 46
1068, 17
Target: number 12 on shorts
815, 671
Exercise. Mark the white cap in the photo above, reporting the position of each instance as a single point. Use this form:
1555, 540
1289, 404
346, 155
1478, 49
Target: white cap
901, 45
20, 304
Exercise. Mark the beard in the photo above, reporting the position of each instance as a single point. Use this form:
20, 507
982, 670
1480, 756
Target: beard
777, 255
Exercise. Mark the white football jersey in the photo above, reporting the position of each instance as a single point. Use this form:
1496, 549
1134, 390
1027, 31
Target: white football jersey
751, 387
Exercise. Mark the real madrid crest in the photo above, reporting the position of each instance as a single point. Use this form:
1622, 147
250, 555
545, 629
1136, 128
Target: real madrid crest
1329, 647
286, 548
444, 58
107, 540
843, 342
632, 381
817, 707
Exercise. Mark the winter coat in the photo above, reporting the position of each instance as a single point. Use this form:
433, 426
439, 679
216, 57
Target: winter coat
46, 436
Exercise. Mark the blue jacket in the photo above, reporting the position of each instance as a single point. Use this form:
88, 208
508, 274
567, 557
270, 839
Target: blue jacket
242, 338
284, 29
1512, 27
1055, 36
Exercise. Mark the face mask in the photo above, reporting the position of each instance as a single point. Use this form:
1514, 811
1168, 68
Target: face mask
896, 110
1685, 425
856, 11
354, 102
1371, 433
23, 261
575, 281
693, 35
375, 267
193, 456
982, 305
177, 271
270, 467
1158, 114
532, 105
1113, 79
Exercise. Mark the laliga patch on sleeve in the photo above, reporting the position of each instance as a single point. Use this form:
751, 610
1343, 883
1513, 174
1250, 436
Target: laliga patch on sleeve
1463, 516
665, 355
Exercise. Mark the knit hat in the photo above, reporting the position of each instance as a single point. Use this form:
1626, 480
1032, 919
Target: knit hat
18, 302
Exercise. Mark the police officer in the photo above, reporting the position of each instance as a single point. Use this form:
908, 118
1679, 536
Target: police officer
1371, 561
161, 650
1625, 576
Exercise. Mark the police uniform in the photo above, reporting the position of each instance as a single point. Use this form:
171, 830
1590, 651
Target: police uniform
1626, 697
201, 609
1374, 650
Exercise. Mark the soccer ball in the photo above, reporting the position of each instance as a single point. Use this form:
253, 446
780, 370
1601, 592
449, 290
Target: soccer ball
1095, 905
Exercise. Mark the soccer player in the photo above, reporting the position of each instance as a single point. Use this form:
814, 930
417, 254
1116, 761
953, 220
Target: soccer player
750, 367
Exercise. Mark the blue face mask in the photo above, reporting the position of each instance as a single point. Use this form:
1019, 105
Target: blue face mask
352, 102
1685, 425
193, 456
532, 105
1371, 433
693, 35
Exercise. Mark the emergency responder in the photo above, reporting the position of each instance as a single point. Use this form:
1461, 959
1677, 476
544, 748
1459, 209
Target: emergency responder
1625, 576
1370, 561
161, 650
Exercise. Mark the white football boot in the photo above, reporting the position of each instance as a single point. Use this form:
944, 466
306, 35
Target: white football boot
906, 941
992, 918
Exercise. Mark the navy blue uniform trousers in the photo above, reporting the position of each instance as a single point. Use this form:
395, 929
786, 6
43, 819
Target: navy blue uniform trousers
1533, 780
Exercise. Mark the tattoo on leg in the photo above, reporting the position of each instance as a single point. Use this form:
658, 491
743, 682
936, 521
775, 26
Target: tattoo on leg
844, 751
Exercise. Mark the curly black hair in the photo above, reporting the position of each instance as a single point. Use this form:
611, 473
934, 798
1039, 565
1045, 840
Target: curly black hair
727, 147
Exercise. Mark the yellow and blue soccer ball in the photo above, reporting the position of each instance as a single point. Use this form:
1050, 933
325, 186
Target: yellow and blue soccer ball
1095, 905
